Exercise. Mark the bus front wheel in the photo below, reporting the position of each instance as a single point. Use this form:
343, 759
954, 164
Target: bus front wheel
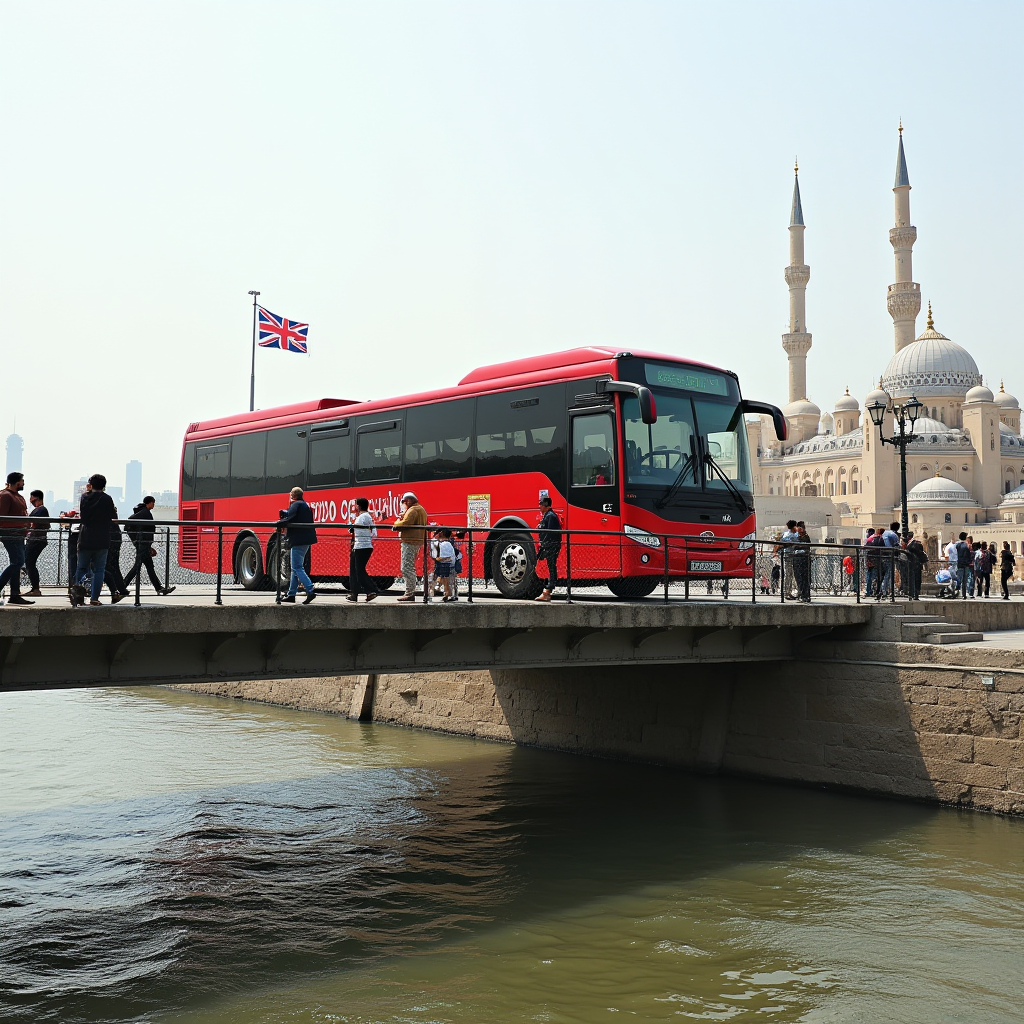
249, 564
634, 586
514, 566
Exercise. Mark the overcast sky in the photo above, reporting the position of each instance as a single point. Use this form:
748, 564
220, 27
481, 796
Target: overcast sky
433, 186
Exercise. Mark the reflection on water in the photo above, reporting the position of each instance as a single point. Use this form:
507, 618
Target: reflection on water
167, 856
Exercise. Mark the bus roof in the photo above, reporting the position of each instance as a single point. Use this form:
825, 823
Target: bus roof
531, 370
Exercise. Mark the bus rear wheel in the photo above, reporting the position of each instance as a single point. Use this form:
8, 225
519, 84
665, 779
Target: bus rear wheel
514, 566
634, 586
249, 565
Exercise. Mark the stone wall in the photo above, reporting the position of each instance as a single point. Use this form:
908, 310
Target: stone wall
902, 720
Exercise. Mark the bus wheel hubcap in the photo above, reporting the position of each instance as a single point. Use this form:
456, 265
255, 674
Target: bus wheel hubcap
249, 563
514, 563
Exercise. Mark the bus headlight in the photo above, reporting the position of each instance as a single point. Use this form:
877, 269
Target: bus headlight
747, 543
642, 537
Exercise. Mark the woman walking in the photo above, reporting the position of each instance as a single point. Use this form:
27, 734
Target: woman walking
363, 533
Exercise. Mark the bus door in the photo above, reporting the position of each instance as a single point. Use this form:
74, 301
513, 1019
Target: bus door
594, 490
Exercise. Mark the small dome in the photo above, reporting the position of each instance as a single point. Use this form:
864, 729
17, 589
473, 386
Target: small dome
847, 403
1014, 497
931, 367
926, 425
801, 407
939, 491
979, 393
878, 395
1006, 401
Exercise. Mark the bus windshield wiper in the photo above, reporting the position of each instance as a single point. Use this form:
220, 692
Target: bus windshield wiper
690, 461
709, 461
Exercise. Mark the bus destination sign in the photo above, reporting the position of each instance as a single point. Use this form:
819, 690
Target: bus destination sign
686, 380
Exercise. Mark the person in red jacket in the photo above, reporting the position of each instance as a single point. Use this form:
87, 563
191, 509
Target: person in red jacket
13, 536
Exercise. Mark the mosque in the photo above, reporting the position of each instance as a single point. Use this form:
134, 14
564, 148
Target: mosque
965, 470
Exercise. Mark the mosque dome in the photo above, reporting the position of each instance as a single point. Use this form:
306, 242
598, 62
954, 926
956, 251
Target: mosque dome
847, 403
802, 407
931, 367
979, 393
939, 491
878, 395
1005, 401
1014, 497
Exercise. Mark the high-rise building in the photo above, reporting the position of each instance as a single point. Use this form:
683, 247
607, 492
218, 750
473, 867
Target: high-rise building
133, 482
78, 489
48, 499
15, 450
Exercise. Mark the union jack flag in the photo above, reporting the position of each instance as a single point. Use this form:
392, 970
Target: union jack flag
279, 332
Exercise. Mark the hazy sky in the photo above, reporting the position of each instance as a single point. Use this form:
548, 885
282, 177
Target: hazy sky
434, 186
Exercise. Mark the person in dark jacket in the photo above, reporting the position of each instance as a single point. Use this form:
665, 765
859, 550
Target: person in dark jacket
13, 537
96, 511
917, 558
301, 536
142, 535
112, 571
1006, 564
35, 541
550, 530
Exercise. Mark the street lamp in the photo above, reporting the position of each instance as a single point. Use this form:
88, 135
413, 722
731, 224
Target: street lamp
905, 417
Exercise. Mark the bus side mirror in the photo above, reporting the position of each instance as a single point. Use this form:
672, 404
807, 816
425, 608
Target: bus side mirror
648, 410
778, 420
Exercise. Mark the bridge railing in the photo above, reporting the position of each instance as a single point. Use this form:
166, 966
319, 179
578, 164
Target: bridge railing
671, 566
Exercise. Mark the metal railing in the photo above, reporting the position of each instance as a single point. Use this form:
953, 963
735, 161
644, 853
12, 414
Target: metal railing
673, 566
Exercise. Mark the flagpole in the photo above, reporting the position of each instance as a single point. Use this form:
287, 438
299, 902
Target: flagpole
252, 377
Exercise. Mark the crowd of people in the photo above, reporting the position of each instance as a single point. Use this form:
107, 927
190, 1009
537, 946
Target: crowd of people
94, 541
887, 563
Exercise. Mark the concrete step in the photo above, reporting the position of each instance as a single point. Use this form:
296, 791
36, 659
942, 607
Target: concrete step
920, 629
953, 638
907, 619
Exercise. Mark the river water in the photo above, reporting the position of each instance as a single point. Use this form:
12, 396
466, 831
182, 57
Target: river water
170, 857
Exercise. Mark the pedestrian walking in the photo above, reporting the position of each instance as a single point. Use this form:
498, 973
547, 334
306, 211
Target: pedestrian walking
789, 536
12, 536
982, 570
964, 567
142, 534
550, 533
35, 541
1006, 564
802, 563
112, 570
97, 512
444, 565
301, 537
411, 532
918, 559
363, 534
873, 544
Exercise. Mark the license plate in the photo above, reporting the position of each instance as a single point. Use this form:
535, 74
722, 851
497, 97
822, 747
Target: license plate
705, 566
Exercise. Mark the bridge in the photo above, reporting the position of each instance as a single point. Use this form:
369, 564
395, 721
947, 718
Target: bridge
51, 647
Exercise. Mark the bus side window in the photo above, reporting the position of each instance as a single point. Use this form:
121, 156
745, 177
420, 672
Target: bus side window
213, 463
286, 460
593, 447
379, 451
188, 473
522, 432
438, 441
248, 456
330, 458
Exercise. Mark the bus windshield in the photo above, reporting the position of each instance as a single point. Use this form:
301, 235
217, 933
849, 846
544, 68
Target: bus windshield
697, 444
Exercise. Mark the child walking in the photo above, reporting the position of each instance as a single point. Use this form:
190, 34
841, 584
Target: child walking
444, 563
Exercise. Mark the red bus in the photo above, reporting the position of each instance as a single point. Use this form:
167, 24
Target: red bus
636, 444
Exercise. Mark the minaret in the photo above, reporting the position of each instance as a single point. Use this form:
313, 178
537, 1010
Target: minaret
904, 299
797, 341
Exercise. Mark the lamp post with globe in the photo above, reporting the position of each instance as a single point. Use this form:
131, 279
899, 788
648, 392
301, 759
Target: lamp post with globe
905, 416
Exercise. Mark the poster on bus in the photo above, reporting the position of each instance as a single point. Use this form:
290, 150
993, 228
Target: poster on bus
478, 512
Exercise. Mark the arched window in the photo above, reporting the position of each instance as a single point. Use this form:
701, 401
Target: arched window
913, 518
948, 518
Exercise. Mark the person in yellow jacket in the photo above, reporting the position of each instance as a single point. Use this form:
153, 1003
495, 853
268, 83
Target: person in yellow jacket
410, 525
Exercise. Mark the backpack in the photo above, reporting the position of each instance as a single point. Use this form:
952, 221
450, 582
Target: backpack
458, 557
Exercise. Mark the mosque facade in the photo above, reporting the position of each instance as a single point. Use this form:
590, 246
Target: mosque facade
965, 470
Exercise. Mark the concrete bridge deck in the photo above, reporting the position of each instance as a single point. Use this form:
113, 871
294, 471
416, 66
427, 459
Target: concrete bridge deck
176, 640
